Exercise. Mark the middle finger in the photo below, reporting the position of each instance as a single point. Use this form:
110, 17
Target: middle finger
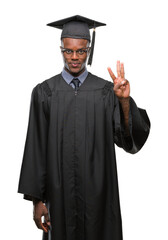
118, 69
122, 70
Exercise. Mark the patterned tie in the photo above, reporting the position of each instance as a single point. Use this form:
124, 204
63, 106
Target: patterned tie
75, 82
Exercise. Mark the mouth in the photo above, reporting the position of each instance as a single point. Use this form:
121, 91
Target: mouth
75, 65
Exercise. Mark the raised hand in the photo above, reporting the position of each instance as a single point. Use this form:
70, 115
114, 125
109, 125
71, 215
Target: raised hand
121, 85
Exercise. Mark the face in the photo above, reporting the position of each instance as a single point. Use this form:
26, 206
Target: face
74, 63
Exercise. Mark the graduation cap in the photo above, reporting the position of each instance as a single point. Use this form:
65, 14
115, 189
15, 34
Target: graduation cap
78, 27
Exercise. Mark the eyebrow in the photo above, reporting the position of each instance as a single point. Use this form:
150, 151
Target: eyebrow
76, 50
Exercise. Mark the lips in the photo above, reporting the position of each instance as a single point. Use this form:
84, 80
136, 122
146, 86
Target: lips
75, 65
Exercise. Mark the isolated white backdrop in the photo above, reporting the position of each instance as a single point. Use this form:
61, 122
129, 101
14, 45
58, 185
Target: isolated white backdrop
136, 34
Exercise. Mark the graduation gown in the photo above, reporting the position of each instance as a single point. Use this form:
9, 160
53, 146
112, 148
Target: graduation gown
69, 158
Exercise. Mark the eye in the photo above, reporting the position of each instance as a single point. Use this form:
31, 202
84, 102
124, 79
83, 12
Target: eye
81, 51
68, 51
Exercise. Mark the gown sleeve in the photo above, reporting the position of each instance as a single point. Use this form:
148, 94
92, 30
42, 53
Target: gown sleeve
33, 170
139, 127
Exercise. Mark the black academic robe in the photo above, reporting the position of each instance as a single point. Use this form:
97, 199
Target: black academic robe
69, 158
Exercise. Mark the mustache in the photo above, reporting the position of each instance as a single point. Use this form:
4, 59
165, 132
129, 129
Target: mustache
74, 62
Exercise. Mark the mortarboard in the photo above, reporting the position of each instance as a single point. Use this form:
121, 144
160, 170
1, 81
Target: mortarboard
78, 27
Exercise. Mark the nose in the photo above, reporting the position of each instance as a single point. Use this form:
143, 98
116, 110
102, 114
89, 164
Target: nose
74, 55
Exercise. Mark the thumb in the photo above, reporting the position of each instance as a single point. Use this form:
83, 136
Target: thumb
46, 217
119, 84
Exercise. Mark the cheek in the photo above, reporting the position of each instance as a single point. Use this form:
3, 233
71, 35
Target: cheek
83, 65
83, 61
65, 61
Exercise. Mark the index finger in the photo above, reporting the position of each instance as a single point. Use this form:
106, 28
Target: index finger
111, 73
45, 227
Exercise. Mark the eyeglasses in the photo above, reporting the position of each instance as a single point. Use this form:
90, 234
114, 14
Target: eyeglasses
79, 52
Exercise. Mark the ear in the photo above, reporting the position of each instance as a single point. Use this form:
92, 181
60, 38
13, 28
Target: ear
88, 52
61, 50
62, 43
88, 46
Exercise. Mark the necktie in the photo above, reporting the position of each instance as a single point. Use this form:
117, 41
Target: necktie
76, 82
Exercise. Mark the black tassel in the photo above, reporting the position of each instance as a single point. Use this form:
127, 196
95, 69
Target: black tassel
92, 48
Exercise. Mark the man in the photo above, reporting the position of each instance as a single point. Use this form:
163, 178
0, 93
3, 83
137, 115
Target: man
69, 165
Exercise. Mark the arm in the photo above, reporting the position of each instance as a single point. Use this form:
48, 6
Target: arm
33, 171
125, 105
131, 123
32, 182
122, 91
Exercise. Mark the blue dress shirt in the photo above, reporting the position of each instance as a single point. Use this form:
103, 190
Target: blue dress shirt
68, 77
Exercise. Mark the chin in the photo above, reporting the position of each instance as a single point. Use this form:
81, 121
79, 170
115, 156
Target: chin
75, 70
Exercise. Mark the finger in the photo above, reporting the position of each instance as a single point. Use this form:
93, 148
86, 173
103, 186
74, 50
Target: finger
120, 84
122, 70
46, 217
38, 223
118, 69
124, 82
45, 227
111, 73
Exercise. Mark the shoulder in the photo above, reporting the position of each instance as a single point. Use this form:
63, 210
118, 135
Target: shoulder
47, 86
97, 78
51, 82
100, 82
44, 89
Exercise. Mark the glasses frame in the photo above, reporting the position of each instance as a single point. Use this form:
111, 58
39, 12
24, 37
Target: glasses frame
85, 50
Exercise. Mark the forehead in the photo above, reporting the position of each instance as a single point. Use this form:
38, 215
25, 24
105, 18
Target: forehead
74, 43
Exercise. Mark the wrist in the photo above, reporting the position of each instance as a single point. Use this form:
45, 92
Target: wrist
124, 100
35, 201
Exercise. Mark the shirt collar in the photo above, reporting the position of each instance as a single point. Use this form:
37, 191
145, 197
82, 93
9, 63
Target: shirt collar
68, 77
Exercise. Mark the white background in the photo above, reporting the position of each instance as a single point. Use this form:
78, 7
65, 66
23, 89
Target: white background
136, 34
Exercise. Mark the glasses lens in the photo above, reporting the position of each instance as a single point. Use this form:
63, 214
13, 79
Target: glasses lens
69, 52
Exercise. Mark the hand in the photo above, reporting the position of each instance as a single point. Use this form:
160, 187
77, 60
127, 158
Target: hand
121, 85
41, 210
